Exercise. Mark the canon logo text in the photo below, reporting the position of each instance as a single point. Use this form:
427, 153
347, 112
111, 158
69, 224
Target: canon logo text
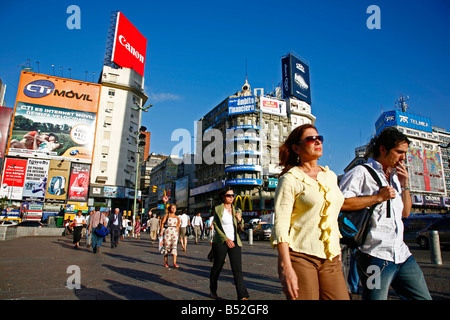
131, 49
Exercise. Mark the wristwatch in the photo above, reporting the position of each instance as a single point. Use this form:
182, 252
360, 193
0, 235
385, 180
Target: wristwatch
405, 188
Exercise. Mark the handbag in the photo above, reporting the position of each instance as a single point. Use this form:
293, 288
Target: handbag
101, 230
355, 225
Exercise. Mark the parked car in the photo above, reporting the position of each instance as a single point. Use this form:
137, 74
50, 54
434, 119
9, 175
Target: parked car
442, 226
31, 223
262, 231
10, 221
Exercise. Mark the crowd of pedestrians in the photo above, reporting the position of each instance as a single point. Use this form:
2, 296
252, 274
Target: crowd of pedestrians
306, 232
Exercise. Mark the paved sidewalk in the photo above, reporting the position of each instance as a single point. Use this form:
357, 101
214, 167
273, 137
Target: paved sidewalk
36, 268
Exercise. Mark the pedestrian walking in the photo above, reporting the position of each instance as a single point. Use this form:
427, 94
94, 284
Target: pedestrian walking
115, 226
137, 228
96, 219
384, 250
170, 235
227, 224
88, 233
78, 224
154, 227
211, 228
184, 222
197, 223
306, 232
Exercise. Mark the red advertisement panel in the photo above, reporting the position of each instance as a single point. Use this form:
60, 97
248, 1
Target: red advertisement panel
13, 178
79, 182
130, 46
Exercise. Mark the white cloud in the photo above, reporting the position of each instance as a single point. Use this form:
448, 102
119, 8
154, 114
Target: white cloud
160, 97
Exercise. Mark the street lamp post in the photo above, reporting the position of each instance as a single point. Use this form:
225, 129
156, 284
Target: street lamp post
145, 109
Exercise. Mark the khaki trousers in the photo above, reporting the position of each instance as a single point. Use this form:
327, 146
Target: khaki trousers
319, 279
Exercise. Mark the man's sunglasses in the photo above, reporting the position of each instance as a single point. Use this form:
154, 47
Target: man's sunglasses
311, 139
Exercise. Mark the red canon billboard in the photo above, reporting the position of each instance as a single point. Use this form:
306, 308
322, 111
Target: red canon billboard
129, 46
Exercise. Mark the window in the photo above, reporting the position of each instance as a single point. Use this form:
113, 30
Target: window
108, 120
111, 93
109, 106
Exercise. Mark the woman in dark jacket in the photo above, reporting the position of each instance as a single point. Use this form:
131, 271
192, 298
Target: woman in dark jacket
227, 221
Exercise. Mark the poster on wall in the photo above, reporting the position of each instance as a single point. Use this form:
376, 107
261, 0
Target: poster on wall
79, 182
58, 181
13, 178
426, 174
35, 184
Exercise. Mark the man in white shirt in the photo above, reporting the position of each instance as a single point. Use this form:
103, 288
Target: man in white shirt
384, 259
197, 224
184, 222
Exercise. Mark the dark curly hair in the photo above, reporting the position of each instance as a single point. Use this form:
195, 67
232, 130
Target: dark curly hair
390, 137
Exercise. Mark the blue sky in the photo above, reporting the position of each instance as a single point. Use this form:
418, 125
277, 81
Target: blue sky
197, 53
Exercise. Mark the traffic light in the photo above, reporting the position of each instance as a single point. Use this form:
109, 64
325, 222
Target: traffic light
154, 188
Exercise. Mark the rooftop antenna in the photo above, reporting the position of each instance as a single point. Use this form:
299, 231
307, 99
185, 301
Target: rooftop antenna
401, 103
245, 68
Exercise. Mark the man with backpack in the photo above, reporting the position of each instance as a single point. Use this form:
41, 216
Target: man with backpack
97, 218
384, 259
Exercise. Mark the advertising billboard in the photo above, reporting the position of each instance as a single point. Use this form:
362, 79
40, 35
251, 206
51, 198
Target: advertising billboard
425, 171
35, 184
5, 120
403, 119
181, 192
58, 181
13, 178
241, 105
273, 106
129, 46
54, 118
79, 182
295, 80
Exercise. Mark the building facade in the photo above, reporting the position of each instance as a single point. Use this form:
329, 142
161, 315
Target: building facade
248, 129
116, 143
427, 159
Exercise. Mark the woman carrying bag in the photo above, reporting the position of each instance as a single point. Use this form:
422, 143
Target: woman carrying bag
227, 221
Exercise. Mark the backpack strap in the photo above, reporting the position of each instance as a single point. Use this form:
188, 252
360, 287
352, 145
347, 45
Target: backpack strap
377, 179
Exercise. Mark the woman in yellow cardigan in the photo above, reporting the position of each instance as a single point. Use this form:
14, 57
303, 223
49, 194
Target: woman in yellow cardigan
306, 232
227, 221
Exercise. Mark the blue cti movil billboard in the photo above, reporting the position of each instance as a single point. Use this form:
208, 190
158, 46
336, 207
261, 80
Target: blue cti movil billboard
241, 105
403, 119
296, 81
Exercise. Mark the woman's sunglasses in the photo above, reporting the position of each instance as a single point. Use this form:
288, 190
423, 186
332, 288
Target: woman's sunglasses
229, 195
311, 139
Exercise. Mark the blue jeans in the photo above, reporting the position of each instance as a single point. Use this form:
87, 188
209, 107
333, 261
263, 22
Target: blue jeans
96, 240
377, 275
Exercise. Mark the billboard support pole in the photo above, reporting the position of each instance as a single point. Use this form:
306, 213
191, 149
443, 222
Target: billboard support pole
12, 186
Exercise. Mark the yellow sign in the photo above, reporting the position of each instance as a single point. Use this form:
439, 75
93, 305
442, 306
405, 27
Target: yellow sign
239, 198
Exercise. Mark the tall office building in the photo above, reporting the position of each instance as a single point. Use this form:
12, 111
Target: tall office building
252, 127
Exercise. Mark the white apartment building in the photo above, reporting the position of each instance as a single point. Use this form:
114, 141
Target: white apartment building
118, 122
